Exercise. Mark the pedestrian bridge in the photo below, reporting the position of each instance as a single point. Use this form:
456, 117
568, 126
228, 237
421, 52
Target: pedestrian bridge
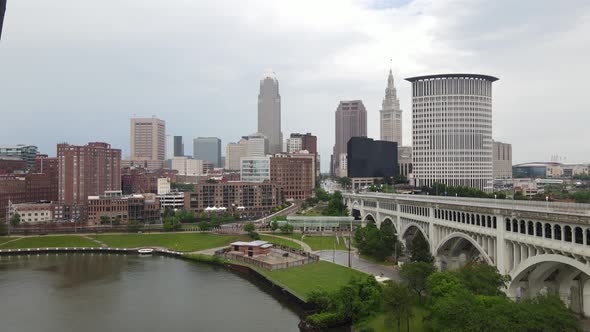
543, 246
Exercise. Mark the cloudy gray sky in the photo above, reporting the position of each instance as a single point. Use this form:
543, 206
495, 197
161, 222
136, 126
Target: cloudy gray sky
76, 71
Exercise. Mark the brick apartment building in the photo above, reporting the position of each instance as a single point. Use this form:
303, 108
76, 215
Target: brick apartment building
87, 170
245, 198
294, 175
39, 184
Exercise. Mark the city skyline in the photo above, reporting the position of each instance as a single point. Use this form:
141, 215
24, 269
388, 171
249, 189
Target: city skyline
349, 63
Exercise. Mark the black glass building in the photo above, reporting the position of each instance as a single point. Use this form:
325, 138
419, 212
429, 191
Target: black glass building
368, 158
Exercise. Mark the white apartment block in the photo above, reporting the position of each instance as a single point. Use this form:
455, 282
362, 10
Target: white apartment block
187, 166
255, 169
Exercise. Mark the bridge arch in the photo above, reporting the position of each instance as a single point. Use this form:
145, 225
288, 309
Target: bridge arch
369, 217
451, 251
408, 226
553, 273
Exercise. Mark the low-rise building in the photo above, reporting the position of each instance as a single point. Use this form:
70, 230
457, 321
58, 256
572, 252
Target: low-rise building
172, 200
32, 213
123, 208
252, 248
244, 198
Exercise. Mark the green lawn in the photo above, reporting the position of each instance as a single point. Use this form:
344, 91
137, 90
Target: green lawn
324, 242
416, 322
279, 241
50, 242
173, 241
315, 276
6, 239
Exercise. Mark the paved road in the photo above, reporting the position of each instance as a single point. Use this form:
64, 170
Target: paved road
340, 257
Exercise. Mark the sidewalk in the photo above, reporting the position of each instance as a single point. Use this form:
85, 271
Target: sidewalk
340, 257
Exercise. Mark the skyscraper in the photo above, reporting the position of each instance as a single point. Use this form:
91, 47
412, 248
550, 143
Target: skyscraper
148, 139
178, 146
351, 121
208, 149
452, 130
391, 114
269, 111
87, 170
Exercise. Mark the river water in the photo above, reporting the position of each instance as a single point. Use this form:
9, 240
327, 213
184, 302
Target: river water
110, 292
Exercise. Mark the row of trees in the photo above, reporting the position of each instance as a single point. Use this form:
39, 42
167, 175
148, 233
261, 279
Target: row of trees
470, 299
441, 189
379, 243
353, 302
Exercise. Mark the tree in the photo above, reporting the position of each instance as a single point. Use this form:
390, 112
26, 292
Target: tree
482, 279
104, 220
250, 229
336, 206
397, 304
3, 229
442, 284
274, 225
134, 226
420, 249
415, 274
286, 228
389, 236
15, 220
168, 212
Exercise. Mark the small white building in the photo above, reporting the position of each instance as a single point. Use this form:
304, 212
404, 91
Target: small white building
163, 186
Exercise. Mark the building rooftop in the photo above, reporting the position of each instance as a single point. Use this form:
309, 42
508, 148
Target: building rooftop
257, 243
431, 77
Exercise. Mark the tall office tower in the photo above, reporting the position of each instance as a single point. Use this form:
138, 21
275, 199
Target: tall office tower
351, 121
178, 146
502, 160
452, 130
391, 114
269, 111
87, 170
208, 149
233, 153
148, 139
169, 147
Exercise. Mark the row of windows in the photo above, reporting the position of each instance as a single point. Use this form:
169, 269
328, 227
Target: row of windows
417, 210
548, 231
467, 218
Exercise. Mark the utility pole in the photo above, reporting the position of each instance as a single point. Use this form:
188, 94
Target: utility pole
349, 243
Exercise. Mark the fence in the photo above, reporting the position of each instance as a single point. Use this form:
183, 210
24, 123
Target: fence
307, 258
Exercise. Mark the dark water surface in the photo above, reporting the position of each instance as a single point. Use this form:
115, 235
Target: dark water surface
109, 292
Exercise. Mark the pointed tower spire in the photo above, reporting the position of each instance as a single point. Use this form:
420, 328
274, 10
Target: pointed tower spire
391, 126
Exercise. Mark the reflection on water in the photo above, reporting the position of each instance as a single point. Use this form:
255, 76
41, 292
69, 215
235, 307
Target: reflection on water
110, 292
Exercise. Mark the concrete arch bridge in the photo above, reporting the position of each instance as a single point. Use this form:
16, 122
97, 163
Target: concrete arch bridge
544, 247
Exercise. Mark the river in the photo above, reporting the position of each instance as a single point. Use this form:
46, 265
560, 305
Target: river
110, 292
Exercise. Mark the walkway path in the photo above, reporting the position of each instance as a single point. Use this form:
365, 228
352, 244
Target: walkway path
303, 245
340, 257
102, 244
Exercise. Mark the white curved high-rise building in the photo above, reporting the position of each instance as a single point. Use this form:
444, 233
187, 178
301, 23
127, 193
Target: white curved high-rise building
391, 114
269, 111
452, 130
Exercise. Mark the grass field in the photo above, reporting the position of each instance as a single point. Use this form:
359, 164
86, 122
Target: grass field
282, 242
173, 241
324, 243
416, 322
315, 276
50, 242
6, 239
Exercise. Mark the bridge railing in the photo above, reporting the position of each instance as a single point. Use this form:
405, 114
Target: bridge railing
557, 207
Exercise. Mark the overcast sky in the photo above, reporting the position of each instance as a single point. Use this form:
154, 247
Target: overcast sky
76, 71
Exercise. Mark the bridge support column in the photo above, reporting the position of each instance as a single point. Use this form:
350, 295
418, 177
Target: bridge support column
431, 232
500, 248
